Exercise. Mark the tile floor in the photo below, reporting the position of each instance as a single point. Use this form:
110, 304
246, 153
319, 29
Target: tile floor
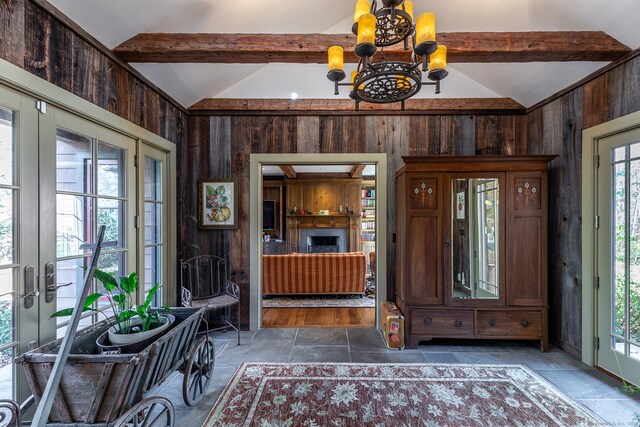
582, 383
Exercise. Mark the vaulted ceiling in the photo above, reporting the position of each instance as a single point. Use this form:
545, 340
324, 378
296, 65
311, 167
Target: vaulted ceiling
236, 64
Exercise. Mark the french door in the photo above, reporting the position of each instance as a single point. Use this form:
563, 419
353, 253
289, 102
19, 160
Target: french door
87, 179
152, 173
61, 178
19, 262
618, 255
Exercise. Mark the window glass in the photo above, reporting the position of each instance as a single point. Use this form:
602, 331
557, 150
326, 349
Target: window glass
7, 238
110, 170
111, 214
7, 135
73, 162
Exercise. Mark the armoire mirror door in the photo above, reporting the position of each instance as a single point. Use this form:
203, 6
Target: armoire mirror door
476, 239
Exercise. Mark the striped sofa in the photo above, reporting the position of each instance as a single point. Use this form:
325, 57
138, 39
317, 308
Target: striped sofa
322, 273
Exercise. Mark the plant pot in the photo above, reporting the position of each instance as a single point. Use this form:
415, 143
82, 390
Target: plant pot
135, 342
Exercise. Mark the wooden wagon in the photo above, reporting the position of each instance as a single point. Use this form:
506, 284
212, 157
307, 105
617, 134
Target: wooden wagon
108, 389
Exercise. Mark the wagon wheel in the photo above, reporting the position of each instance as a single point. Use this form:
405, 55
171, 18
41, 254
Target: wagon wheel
9, 413
198, 371
151, 412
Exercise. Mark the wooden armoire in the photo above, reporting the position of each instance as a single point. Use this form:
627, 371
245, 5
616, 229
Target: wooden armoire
471, 255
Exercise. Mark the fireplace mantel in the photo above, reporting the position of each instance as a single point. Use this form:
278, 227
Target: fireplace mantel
322, 221
348, 221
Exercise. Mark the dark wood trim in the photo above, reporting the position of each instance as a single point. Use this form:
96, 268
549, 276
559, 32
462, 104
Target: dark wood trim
72, 26
482, 163
468, 47
631, 55
280, 106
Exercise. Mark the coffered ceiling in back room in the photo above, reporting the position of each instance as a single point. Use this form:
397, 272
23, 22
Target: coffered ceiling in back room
114, 22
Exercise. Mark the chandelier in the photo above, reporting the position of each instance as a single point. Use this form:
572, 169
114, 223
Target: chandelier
383, 81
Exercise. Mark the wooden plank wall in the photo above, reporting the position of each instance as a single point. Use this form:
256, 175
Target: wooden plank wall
556, 128
36, 41
219, 146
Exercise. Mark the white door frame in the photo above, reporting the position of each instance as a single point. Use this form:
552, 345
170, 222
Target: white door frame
590, 139
255, 212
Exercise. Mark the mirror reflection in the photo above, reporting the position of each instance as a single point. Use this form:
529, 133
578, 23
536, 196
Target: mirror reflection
475, 238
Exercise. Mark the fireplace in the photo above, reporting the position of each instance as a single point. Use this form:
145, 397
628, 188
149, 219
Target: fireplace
323, 244
321, 240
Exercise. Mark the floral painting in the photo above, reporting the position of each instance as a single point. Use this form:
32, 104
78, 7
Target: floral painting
217, 203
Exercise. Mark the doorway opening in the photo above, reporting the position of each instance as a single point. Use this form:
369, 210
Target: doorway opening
318, 228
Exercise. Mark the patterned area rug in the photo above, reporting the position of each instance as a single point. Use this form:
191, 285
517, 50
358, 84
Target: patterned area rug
315, 301
318, 301
315, 394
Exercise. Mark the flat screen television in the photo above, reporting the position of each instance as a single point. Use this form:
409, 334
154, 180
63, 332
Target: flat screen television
268, 214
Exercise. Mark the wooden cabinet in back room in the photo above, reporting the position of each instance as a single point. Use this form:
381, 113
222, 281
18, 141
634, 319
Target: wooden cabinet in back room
472, 247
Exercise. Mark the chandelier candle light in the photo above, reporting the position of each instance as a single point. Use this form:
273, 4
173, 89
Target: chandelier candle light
383, 81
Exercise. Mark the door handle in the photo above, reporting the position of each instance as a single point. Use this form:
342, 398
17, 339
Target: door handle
30, 291
50, 284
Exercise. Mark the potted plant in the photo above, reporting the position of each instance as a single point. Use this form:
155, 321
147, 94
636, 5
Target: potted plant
131, 323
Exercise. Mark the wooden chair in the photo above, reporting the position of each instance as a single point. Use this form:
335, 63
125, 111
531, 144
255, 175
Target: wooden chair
204, 282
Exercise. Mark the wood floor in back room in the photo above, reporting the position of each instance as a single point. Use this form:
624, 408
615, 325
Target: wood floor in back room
325, 317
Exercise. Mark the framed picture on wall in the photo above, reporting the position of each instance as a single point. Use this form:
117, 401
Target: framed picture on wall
217, 203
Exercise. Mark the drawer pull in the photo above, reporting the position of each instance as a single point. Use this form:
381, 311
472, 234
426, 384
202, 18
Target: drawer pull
457, 323
428, 321
492, 322
525, 324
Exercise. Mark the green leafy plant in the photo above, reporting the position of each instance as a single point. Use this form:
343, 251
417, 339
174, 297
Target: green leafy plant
121, 297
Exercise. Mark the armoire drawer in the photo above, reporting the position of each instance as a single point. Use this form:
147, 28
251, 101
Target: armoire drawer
517, 323
442, 322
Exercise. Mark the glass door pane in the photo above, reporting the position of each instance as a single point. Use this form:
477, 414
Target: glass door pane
93, 188
618, 256
18, 248
154, 222
625, 292
8, 261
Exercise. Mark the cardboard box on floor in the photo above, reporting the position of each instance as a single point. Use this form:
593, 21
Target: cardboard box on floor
392, 326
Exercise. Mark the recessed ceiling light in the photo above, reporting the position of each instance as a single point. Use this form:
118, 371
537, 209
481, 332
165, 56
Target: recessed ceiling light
294, 95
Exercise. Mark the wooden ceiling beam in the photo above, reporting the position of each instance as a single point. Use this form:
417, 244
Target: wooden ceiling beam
275, 106
289, 171
357, 170
462, 47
